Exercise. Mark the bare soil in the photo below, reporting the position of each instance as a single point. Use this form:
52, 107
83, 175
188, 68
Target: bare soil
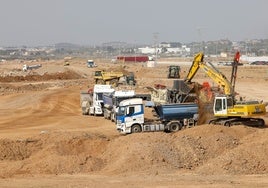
45, 141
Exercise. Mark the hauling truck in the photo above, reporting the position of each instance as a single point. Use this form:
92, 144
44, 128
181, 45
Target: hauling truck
91, 101
174, 71
114, 78
91, 63
227, 110
111, 101
130, 117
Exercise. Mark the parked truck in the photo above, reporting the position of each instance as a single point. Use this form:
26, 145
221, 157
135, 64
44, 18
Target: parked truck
170, 117
30, 67
112, 100
92, 100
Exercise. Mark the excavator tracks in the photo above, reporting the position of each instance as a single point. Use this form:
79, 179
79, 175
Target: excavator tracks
253, 122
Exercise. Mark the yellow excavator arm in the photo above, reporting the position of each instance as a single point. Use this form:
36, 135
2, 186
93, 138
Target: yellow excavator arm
195, 66
211, 71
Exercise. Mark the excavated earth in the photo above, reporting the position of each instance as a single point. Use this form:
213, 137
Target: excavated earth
45, 141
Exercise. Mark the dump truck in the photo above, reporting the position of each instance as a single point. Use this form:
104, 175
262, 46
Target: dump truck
111, 101
91, 101
130, 117
114, 78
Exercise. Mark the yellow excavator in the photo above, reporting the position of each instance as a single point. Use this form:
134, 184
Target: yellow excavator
227, 110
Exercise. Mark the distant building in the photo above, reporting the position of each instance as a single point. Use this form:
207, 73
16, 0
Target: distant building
148, 50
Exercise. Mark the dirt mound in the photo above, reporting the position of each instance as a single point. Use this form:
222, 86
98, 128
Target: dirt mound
37, 82
184, 150
52, 154
248, 157
67, 75
9, 88
202, 149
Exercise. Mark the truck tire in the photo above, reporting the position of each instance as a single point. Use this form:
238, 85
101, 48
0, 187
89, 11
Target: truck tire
85, 113
174, 127
135, 129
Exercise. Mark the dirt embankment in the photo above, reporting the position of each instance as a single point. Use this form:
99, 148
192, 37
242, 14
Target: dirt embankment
36, 82
204, 149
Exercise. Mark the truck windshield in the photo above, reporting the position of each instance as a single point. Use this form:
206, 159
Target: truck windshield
121, 111
99, 96
97, 73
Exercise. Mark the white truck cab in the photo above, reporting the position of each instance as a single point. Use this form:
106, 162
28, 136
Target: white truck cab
97, 100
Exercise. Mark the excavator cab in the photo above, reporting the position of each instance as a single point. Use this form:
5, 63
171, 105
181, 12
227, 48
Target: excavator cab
221, 105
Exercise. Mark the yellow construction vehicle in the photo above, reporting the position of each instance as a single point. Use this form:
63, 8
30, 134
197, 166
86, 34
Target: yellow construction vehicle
114, 78
227, 110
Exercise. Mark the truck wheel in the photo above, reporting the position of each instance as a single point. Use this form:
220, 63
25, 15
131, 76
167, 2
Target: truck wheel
174, 127
136, 129
94, 113
85, 112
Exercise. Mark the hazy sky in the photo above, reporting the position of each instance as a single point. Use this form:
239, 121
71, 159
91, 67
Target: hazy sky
88, 22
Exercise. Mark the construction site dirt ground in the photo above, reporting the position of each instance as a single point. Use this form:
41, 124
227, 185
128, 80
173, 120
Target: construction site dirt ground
45, 141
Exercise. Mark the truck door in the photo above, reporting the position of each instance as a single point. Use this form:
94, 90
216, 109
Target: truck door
134, 115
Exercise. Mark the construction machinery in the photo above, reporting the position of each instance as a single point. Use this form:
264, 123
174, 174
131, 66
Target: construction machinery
67, 61
130, 117
227, 110
91, 101
111, 101
91, 64
174, 71
114, 78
